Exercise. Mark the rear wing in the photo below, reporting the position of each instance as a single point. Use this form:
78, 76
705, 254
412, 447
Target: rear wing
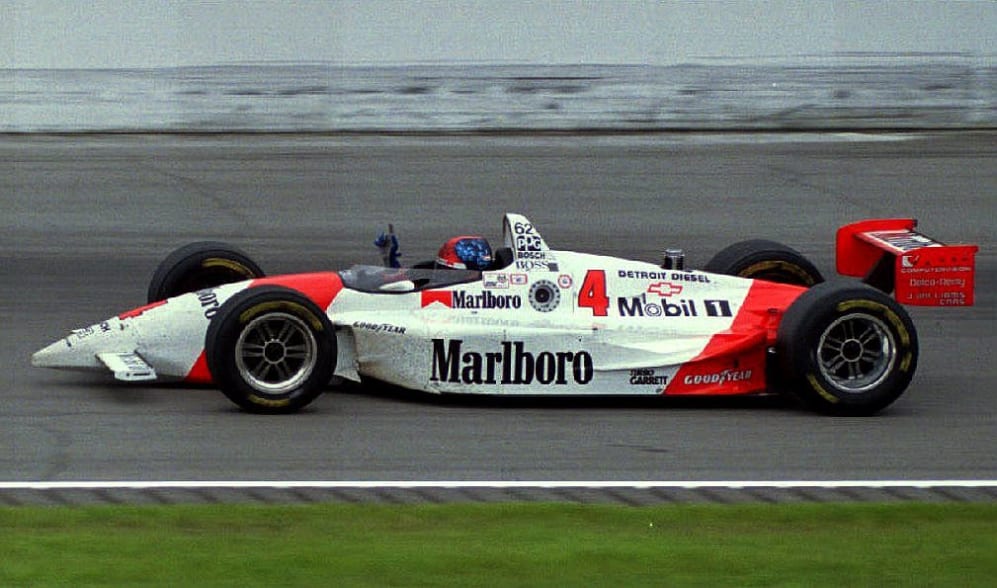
890, 255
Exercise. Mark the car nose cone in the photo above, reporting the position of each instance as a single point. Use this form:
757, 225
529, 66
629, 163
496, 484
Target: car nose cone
64, 355
79, 349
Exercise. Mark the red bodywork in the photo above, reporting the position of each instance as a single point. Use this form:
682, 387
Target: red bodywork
891, 255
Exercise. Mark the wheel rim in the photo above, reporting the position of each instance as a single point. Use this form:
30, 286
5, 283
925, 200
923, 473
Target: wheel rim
856, 353
276, 353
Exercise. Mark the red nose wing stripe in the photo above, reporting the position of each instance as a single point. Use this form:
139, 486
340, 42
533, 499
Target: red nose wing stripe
140, 310
199, 374
321, 288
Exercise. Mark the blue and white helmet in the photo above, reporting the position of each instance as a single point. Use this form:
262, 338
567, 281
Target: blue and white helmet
466, 252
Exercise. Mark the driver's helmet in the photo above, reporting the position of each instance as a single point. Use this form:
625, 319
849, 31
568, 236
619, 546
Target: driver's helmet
465, 252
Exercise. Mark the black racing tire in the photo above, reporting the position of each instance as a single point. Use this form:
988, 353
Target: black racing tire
761, 259
271, 350
846, 349
200, 265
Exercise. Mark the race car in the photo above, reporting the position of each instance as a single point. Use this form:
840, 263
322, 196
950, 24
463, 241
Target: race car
529, 320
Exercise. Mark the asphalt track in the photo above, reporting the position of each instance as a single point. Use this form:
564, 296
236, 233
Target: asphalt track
85, 219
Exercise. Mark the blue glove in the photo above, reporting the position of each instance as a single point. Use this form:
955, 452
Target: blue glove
388, 244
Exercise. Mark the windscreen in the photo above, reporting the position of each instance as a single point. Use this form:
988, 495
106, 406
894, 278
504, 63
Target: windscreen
387, 280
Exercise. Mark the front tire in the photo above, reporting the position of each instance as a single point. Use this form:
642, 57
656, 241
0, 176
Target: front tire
846, 349
200, 265
761, 259
271, 350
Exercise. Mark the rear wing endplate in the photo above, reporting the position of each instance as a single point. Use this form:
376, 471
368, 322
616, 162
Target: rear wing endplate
890, 255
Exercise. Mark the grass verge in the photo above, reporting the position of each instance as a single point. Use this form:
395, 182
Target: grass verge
501, 545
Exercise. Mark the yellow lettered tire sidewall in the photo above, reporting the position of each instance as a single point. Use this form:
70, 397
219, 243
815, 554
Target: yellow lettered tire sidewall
800, 333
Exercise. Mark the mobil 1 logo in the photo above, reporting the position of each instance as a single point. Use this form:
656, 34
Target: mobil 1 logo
639, 306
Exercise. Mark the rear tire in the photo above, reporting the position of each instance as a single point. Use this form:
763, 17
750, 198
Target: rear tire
761, 259
846, 349
200, 265
271, 350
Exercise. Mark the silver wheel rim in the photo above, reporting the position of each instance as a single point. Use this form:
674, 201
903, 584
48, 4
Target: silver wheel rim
856, 353
276, 353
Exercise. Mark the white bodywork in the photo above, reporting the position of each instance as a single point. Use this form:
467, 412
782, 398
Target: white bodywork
552, 322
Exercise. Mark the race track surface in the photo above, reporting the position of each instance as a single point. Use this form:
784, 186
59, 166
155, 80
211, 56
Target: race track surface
86, 219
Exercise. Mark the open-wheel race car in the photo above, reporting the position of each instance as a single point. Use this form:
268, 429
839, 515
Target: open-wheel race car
528, 320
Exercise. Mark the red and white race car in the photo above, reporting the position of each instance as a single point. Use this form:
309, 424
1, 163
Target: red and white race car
538, 321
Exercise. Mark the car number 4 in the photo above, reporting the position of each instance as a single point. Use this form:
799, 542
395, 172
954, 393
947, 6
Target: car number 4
592, 293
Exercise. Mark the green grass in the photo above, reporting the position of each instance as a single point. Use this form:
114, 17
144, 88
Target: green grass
501, 545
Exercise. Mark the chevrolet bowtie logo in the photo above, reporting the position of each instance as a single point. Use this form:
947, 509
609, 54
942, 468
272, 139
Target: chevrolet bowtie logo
664, 289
